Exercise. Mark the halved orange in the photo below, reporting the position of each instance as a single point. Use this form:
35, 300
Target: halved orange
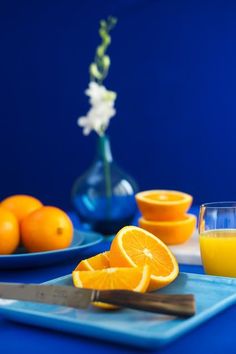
135, 247
171, 232
136, 279
100, 261
163, 205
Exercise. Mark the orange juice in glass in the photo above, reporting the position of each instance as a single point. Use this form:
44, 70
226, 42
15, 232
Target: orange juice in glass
217, 236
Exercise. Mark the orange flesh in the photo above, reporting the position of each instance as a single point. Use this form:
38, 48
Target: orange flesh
100, 261
112, 278
162, 197
145, 250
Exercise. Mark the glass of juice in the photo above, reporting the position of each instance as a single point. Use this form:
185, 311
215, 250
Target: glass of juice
217, 235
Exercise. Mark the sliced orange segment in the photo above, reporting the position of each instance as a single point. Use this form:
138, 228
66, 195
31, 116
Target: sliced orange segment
136, 279
133, 247
100, 261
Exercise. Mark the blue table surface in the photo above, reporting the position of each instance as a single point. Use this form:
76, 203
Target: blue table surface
215, 336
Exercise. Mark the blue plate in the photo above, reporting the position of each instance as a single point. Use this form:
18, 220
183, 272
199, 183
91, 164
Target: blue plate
132, 327
81, 245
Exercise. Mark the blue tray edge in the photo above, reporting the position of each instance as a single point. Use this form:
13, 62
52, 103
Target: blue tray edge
73, 326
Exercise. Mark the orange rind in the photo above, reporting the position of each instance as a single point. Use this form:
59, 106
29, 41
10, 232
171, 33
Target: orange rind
46, 229
100, 261
163, 205
171, 232
135, 279
135, 247
9, 232
21, 205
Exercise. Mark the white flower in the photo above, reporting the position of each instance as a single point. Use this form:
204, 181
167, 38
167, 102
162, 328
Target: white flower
102, 109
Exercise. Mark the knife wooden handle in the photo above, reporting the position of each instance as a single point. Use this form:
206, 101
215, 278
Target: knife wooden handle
177, 305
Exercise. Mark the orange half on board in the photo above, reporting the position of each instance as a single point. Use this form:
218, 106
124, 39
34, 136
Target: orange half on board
135, 247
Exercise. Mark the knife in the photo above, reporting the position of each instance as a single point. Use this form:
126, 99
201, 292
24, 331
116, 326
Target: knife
178, 305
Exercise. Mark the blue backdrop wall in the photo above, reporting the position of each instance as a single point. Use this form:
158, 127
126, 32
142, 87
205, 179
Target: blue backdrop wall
173, 67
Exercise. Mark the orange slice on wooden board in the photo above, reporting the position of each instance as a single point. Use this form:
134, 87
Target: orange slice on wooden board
136, 279
100, 261
135, 247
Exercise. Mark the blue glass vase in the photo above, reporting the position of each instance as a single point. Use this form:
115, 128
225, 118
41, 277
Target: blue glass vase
103, 196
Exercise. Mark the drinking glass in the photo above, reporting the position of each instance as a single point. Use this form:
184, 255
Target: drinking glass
217, 236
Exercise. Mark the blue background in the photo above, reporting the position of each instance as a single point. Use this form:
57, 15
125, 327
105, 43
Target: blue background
173, 67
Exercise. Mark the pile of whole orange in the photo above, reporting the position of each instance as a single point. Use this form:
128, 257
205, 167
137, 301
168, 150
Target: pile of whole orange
137, 260
25, 220
164, 213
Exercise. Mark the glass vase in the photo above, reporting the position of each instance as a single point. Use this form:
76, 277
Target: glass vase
103, 196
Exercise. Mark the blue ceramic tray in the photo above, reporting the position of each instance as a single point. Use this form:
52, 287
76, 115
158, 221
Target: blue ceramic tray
137, 328
81, 245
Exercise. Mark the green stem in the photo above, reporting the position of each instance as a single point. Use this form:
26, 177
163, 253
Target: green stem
100, 66
107, 172
105, 155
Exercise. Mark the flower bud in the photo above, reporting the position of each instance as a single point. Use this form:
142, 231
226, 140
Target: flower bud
100, 51
106, 62
94, 72
102, 33
103, 24
110, 96
106, 39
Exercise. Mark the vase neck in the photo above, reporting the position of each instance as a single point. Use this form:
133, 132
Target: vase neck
104, 149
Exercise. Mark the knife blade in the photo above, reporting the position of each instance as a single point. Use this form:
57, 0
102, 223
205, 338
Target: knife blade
178, 305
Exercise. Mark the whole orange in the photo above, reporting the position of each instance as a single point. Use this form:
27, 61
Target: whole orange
21, 205
46, 229
9, 232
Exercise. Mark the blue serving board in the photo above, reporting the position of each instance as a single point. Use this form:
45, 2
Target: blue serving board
132, 327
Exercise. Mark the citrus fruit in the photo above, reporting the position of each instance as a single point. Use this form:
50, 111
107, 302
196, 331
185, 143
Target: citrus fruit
48, 228
133, 246
100, 261
21, 205
136, 279
9, 232
171, 232
163, 205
